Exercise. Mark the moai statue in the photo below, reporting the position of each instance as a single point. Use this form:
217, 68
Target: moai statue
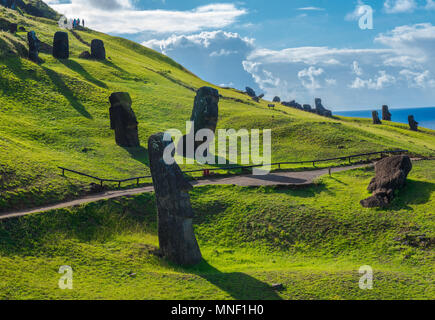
386, 115
205, 111
375, 116
123, 120
34, 44
175, 227
320, 109
98, 52
413, 125
61, 45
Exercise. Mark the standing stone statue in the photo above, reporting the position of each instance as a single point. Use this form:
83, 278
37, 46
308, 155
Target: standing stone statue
34, 45
123, 120
375, 116
175, 228
413, 125
386, 115
277, 99
61, 45
321, 110
98, 52
205, 111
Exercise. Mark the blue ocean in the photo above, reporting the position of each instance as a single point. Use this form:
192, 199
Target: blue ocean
424, 116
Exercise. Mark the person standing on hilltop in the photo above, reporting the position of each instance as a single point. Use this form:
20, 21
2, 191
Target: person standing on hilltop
78, 22
83, 22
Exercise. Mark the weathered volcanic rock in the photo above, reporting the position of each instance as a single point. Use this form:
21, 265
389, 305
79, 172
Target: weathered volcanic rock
307, 108
98, 52
386, 115
413, 125
34, 45
123, 120
61, 45
277, 99
375, 117
292, 104
250, 92
391, 174
85, 55
321, 110
175, 229
13, 28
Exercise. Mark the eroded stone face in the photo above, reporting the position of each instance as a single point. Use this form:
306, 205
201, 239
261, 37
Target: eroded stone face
386, 115
123, 120
98, 52
391, 174
205, 109
175, 228
375, 117
34, 45
413, 125
61, 45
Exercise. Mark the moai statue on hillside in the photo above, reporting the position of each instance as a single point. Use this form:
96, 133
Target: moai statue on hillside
175, 227
98, 52
413, 125
205, 114
61, 45
320, 109
123, 120
34, 45
386, 115
375, 116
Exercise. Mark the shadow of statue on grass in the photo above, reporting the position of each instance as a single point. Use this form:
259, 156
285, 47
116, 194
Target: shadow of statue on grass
66, 92
139, 154
76, 67
238, 285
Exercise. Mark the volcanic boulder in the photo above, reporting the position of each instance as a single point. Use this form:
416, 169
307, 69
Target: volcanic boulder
391, 174
386, 115
123, 120
250, 92
98, 52
175, 228
61, 45
277, 99
34, 45
413, 125
375, 117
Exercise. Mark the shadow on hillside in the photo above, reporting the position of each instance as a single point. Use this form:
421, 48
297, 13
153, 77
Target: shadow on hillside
114, 66
66, 92
76, 67
239, 286
139, 154
414, 193
303, 191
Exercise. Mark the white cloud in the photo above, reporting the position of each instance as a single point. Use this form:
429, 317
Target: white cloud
418, 79
430, 5
99, 15
309, 76
311, 9
399, 6
379, 82
356, 68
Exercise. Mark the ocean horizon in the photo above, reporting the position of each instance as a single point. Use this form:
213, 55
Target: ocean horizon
424, 116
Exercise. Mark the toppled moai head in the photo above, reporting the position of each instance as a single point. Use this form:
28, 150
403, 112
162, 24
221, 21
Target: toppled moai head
205, 109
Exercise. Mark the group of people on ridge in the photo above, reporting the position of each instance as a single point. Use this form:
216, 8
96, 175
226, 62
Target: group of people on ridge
76, 23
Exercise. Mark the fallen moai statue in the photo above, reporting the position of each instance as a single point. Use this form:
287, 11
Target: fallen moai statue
175, 228
391, 174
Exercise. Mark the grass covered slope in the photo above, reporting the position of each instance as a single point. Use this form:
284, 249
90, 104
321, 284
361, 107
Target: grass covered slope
312, 240
56, 114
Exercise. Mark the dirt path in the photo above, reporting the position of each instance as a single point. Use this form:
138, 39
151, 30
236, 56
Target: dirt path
280, 178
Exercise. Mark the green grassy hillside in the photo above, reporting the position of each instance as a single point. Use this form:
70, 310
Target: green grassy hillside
311, 240
56, 114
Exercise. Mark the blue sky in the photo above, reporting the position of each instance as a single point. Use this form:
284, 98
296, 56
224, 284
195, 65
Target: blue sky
294, 49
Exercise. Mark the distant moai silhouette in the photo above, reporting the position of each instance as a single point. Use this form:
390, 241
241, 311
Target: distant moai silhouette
413, 125
386, 115
375, 116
